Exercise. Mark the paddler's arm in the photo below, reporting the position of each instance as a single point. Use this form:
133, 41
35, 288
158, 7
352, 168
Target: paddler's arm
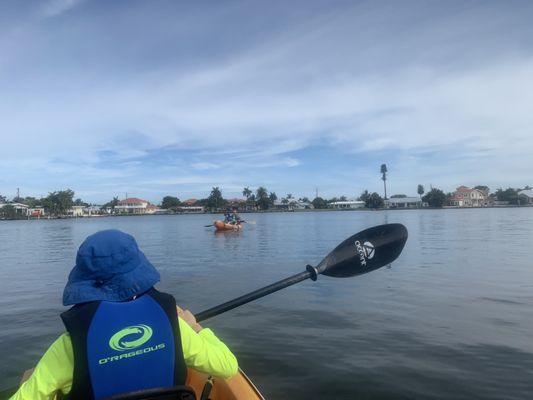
52, 373
203, 351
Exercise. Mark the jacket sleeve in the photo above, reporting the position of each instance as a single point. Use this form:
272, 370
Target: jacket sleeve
53, 372
204, 352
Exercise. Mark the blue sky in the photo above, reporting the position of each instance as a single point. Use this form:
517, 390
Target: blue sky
164, 97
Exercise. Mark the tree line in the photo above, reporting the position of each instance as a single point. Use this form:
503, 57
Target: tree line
261, 199
56, 203
59, 202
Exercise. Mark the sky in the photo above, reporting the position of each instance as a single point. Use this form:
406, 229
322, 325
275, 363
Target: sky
155, 98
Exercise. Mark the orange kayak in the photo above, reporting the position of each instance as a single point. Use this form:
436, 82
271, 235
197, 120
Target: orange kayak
224, 226
239, 387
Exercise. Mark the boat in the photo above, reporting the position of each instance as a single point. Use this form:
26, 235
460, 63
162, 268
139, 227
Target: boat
238, 387
224, 226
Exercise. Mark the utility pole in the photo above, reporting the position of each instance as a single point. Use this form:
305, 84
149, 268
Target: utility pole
316, 191
18, 193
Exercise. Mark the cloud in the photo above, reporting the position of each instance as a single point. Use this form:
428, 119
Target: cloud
368, 83
53, 8
204, 165
292, 162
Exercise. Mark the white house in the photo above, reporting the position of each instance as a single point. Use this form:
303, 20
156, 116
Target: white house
132, 205
191, 209
20, 208
301, 205
76, 211
526, 196
92, 210
404, 202
151, 209
292, 205
347, 204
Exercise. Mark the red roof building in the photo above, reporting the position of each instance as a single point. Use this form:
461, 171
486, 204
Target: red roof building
466, 197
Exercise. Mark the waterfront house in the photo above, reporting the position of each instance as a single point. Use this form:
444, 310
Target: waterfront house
405, 202
108, 210
36, 212
239, 204
191, 209
190, 202
152, 209
20, 208
293, 205
280, 205
466, 197
302, 205
499, 203
347, 204
92, 210
526, 196
76, 211
133, 205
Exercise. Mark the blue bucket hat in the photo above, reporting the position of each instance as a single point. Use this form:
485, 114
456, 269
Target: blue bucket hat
109, 266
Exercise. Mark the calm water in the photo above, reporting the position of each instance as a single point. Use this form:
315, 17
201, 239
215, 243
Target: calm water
452, 318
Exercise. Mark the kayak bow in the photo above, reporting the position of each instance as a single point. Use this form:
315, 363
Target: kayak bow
224, 226
238, 387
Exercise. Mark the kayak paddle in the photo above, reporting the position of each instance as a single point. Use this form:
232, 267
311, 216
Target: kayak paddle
363, 252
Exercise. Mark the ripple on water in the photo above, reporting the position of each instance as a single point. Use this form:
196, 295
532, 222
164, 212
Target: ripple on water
451, 319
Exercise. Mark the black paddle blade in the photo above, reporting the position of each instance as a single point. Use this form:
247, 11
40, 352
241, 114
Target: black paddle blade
365, 251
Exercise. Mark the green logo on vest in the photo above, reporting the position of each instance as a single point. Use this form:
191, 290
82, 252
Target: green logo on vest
130, 338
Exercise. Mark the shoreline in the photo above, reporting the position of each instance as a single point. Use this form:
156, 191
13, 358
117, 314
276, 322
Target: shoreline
268, 212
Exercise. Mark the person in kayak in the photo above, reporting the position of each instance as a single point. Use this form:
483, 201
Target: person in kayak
234, 218
228, 217
122, 335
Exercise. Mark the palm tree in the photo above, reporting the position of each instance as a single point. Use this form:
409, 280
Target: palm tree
273, 197
215, 199
420, 191
247, 193
262, 198
384, 178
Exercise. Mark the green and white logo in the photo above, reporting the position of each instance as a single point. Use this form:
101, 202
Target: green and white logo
130, 337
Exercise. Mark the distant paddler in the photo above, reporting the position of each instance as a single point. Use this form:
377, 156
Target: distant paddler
232, 221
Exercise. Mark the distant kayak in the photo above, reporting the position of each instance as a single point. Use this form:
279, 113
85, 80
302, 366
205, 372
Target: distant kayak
224, 226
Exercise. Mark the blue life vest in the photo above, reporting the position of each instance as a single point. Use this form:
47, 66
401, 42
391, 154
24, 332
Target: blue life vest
120, 347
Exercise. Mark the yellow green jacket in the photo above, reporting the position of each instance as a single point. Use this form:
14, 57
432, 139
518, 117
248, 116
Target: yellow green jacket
202, 351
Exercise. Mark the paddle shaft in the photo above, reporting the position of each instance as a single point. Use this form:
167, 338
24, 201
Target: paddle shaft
256, 294
359, 254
